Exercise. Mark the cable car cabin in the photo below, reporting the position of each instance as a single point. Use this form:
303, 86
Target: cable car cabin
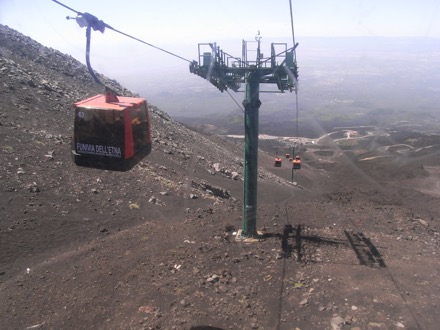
277, 162
111, 135
296, 163
287, 156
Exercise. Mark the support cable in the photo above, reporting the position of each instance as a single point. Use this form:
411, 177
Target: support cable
76, 12
297, 115
296, 82
151, 45
291, 24
238, 104
101, 26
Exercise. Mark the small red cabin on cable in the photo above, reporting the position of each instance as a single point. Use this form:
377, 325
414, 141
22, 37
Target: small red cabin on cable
296, 163
112, 135
277, 162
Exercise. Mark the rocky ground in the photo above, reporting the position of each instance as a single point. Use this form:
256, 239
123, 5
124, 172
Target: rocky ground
352, 245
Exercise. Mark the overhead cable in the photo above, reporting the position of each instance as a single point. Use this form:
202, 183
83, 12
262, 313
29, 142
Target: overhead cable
101, 25
296, 82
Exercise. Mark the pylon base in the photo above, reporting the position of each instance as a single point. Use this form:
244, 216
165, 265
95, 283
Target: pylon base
258, 238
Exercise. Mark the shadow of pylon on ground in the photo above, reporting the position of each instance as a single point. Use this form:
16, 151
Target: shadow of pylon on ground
286, 247
291, 233
365, 250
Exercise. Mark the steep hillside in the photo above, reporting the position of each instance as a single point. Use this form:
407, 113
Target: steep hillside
50, 205
38, 87
353, 244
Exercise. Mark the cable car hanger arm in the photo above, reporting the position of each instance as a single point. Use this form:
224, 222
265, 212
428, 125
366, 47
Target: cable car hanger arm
92, 22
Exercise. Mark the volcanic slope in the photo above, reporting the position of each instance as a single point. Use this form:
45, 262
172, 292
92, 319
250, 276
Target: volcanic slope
352, 245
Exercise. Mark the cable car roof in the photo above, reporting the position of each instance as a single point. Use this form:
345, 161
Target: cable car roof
98, 102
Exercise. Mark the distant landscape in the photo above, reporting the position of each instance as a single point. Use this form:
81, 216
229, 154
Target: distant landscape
343, 82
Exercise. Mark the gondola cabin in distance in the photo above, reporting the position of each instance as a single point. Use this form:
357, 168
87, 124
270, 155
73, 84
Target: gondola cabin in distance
111, 135
296, 163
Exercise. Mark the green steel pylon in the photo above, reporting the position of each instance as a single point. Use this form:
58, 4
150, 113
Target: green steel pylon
225, 71
251, 115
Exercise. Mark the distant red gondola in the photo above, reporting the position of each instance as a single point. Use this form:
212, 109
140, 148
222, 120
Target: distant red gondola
277, 162
296, 163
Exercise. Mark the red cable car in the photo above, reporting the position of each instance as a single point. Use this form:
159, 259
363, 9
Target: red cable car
296, 163
111, 135
277, 162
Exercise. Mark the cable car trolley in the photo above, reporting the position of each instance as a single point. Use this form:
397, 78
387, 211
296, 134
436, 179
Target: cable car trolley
111, 135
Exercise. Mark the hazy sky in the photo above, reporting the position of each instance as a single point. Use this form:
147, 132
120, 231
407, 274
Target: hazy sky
176, 22
179, 25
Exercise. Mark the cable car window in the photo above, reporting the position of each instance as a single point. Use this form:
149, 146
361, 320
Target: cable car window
99, 132
140, 127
